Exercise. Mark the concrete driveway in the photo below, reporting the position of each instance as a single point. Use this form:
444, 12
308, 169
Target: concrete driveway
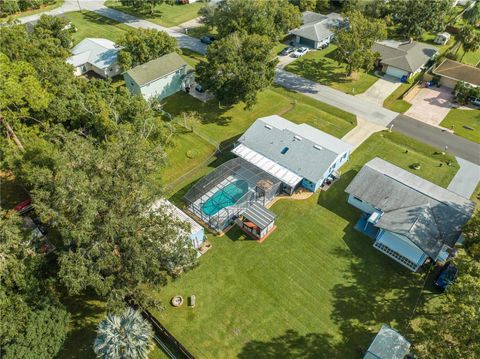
380, 90
431, 105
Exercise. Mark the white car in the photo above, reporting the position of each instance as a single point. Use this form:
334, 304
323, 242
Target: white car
300, 52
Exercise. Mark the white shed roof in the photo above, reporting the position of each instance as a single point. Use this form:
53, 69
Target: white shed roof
269, 166
178, 214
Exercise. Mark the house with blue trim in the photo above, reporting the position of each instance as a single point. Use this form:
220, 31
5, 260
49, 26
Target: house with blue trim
298, 155
409, 218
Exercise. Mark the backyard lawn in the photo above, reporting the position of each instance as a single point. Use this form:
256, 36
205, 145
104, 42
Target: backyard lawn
320, 66
314, 288
164, 14
90, 24
459, 118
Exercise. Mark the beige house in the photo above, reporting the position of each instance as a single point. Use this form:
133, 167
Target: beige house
451, 72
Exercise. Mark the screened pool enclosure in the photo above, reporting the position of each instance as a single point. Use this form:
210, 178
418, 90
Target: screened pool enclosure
231, 188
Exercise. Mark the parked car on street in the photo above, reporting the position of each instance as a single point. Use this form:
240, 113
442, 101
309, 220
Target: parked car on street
287, 51
300, 52
207, 39
446, 277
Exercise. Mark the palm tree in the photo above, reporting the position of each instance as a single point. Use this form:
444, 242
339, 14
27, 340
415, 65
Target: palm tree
124, 336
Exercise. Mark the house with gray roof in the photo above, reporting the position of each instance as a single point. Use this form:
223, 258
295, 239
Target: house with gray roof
399, 59
388, 344
160, 78
410, 218
295, 154
317, 29
97, 55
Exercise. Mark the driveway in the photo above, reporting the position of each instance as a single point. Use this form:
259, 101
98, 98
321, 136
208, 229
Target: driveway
431, 105
466, 179
285, 60
380, 90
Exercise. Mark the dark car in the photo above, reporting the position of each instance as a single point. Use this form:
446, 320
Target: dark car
287, 51
199, 88
447, 276
207, 39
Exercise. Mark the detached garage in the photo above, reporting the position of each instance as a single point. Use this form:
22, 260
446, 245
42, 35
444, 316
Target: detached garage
403, 59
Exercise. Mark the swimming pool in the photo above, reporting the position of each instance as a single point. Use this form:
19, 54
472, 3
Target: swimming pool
225, 197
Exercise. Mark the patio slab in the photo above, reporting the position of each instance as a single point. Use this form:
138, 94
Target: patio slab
431, 105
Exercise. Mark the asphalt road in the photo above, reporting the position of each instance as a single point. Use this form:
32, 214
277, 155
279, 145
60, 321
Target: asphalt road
437, 137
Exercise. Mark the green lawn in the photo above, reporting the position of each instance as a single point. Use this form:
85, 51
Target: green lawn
315, 288
471, 58
320, 66
394, 101
90, 24
459, 118
164, 15
192, 57
56, 4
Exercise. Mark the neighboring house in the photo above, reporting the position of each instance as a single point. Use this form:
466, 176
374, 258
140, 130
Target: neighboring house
411, 219
297, 155
403, 59
196, 231
388, 344
451, 72
317, 29
97, 55
160, 78
442, 38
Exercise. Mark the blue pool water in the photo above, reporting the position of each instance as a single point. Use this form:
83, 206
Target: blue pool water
225, 197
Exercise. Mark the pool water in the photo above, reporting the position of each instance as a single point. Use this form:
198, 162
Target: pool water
225, 197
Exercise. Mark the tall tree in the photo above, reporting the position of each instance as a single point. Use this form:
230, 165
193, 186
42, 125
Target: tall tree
469, 38
415, 17
54, 27
472, 14
147, 6
98, 197
32, 322
271, 18
305, 5
355, 41
454, 329
472, 237
237, 68
126, 335
143, 45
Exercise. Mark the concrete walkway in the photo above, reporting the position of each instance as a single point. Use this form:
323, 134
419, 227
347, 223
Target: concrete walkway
380, 90
361, 132
466, 179
358, 106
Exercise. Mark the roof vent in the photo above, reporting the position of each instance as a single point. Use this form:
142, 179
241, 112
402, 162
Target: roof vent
298, 138
268, 126
317, 147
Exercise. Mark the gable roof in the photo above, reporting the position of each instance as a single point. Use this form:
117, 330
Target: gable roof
158, 68
316, 26
101, 53
388, 344
407, 56
428, 215
177, 213
270, 136
458, 71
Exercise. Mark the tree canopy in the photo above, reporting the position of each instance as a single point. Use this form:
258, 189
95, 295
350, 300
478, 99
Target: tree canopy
270, 18
354, 42
143, 45
472, 14
414, 17
237, 68
470, 39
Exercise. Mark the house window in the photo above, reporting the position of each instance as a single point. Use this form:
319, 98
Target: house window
285, 150
358, 199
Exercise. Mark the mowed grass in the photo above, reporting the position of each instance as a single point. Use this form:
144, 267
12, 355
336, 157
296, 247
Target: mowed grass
163, 14
395, 102
320, 66
90, 24
459, 118
314, 286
